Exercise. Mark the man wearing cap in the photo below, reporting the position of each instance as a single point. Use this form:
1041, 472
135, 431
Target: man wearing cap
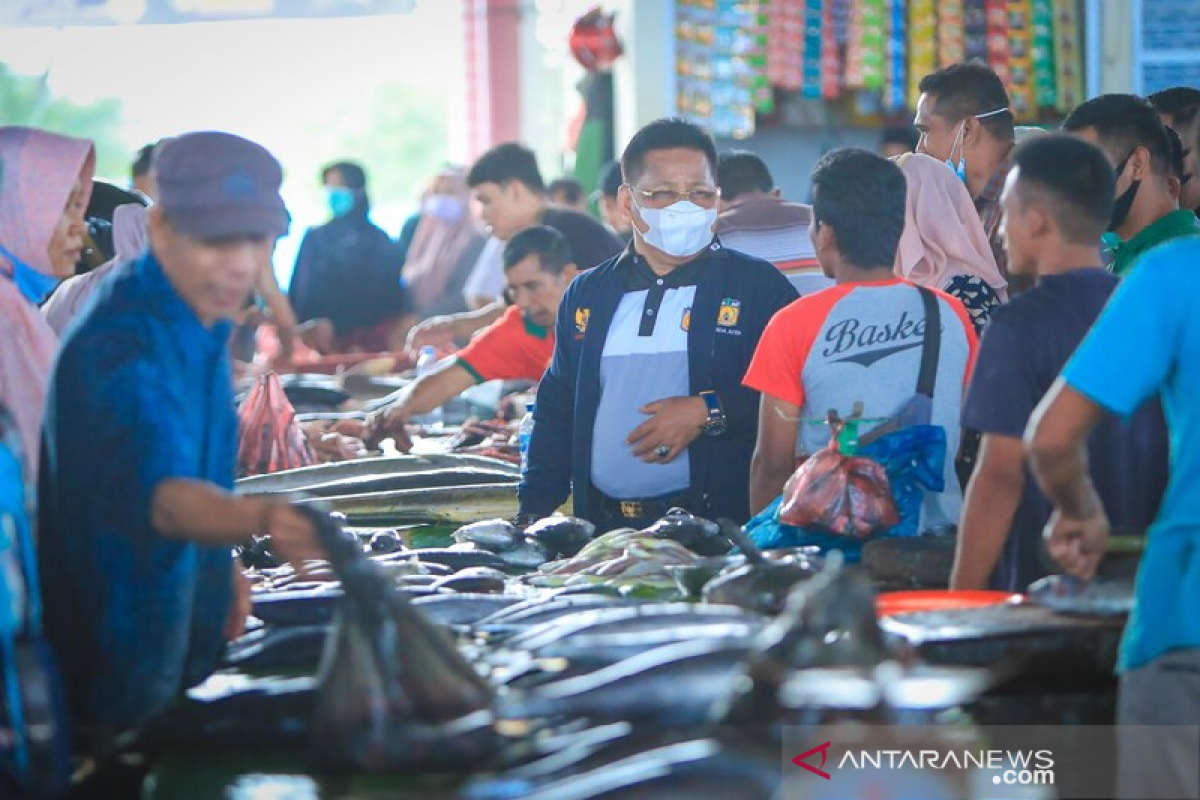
137, 518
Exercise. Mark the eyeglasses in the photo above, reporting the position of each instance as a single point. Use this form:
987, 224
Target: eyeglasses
661, 198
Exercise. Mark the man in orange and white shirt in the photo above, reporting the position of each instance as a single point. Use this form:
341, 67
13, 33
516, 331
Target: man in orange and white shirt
538, 268
859, 342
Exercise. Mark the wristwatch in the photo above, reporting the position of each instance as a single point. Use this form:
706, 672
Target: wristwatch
716, 424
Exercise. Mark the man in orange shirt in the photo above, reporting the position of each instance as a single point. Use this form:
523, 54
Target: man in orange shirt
538, 268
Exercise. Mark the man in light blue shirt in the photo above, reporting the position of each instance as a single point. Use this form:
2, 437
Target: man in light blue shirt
1146, 342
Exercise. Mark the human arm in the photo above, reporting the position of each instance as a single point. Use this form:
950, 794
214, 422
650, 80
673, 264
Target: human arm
419, 397
445, 330
282, 314
546, 481
774, 458
988, 509
1077, 535
197, 511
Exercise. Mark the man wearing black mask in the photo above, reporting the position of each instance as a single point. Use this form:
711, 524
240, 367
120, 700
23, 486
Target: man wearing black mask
1146, 212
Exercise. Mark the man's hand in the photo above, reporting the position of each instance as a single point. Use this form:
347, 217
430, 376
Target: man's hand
388, 423
674, 423
1078, 543
293, 536
436, 332
239, 609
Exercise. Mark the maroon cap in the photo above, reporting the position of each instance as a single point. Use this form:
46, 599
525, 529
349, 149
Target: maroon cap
214, 185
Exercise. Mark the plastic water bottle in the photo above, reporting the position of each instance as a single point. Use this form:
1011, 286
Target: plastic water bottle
524, 434
426, 362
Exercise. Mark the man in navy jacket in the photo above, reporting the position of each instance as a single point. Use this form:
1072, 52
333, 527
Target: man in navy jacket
642, 408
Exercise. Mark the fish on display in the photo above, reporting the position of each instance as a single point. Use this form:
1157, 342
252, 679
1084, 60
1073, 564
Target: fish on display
1067, 594
562, 537
476, 580
830, 620
695, 533
313, 607
760, 587
697, 768
462, 609
494, 535
641, 618
385, 542
393, 687
672, 685
459, 559
278, 648
257, 554
533, 612
527, 555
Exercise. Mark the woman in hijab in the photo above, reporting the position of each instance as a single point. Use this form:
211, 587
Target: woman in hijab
348, 270
45, 183
129, 240
944, 245
444, 248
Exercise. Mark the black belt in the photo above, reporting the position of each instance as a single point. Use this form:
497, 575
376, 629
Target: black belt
647, 509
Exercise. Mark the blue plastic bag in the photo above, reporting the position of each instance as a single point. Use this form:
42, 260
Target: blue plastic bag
914, 459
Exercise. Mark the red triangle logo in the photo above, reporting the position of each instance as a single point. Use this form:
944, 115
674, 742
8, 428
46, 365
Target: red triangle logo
823, 750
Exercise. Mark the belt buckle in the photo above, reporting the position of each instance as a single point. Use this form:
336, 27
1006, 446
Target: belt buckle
631, 509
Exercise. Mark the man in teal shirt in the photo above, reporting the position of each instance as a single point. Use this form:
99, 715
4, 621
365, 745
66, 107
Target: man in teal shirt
1146, 213
1146, 343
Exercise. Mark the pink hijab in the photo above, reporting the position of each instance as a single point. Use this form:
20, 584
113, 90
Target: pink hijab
943, 237
438, 246
129, 240
38, 170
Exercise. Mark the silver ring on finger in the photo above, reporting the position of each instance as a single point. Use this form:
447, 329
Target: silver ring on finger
662, 451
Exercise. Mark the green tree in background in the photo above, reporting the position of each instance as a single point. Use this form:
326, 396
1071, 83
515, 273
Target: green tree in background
398, 132
27, 100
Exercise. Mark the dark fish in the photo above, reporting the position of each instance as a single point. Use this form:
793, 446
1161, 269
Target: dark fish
409, 581
626, 619
671, 685
494, 535
829, 621
696, 768
561, 537
314, 607
527, 555
1067, 594
475, 580
602, 649
696, 534
386, 542
286, 648
393, 688
759, 587
461, 609
533, 612
235, 711
459, 559
406, 557
257, 554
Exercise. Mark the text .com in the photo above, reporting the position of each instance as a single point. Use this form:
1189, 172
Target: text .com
1025, 777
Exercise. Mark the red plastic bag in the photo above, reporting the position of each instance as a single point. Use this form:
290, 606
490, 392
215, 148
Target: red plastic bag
839, 494
269, 438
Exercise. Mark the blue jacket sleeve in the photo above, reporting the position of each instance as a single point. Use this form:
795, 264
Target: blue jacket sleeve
740, 403
546, 483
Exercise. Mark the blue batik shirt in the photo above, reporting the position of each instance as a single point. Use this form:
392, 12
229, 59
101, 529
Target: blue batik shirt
141, 394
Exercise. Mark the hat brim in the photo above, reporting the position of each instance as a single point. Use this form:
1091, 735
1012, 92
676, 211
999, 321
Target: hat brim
230, 221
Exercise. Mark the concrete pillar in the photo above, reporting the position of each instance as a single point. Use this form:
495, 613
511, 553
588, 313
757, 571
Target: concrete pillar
493, 31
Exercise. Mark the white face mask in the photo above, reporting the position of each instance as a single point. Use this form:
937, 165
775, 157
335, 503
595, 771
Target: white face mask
681, 229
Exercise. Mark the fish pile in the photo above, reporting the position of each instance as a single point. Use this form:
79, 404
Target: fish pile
531, 663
